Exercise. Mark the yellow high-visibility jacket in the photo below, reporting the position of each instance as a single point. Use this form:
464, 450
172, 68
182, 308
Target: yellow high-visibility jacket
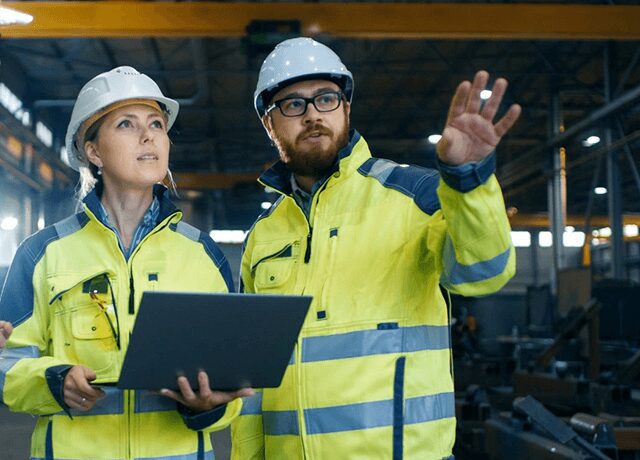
47, 295
370, 377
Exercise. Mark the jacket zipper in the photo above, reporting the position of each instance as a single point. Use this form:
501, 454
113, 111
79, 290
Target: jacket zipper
61, 293
307, 252
269, 257
131, 294
129, 399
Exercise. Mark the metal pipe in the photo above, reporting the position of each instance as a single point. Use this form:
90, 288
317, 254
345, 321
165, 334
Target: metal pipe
557, 186
521, 167
614, 182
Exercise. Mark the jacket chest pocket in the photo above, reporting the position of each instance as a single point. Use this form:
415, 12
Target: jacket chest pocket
274, 266
85, 328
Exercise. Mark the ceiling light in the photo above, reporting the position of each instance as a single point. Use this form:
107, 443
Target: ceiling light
434, 138
600, 190
485, 94
9, 17
8, 223
265, 204
591, 140
228, 236
630, 230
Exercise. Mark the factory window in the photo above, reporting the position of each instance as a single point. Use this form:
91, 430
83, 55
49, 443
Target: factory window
13, 104
44, 134
521, 239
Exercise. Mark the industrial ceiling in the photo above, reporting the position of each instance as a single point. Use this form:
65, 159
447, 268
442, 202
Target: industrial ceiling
574, 67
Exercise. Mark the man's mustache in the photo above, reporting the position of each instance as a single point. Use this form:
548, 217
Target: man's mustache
317, 128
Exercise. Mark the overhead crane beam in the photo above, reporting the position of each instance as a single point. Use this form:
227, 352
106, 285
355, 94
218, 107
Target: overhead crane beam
356, 20
212, 180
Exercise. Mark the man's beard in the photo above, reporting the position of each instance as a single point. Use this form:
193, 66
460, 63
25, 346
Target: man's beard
315, 161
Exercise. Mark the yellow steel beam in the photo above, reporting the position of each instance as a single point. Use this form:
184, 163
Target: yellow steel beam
211, 180
578, 221
370, 20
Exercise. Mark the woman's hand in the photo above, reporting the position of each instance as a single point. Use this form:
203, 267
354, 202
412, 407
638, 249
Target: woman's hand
78, 393
205, 398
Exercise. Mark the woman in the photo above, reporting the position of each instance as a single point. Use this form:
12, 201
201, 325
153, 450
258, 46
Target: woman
73, 289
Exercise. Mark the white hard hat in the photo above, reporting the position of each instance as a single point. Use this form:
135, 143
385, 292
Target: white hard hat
103, 90
295, 60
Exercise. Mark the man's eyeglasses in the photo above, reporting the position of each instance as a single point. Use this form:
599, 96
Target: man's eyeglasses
296, 106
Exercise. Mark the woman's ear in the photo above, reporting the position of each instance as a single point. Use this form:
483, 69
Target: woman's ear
92, 153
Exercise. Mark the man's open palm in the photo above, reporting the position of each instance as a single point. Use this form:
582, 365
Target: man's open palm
470, 134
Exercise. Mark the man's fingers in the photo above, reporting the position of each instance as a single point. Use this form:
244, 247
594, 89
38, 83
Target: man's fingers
459, 101
506, 122
479, 83
491, 106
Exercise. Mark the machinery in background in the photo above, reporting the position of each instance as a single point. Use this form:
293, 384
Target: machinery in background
562, 390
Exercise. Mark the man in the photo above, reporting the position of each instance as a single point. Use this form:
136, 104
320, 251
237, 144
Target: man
371, 241
5, 331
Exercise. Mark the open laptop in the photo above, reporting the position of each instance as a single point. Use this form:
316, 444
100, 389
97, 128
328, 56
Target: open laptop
240, 340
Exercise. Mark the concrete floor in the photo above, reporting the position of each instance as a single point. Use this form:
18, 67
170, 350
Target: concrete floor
15, 437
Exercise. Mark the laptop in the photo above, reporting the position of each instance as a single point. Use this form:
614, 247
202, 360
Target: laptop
240, 340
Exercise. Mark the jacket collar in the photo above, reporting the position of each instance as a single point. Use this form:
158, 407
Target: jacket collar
349, 158
92, 201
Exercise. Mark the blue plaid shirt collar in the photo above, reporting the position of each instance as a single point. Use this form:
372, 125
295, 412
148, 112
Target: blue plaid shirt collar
148, 223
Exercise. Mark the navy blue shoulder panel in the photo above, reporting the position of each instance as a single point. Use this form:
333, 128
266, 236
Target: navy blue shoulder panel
414, 181
210, 247
16, 300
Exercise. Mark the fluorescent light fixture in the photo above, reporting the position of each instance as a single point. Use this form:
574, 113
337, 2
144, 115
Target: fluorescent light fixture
9, 17
40, 223
545, 240
8, 223
521, 239
604, 232
265, 204
570, 239
573, 239
434, 138
228, 236
600, 190
591, 140
630, 230
485, 94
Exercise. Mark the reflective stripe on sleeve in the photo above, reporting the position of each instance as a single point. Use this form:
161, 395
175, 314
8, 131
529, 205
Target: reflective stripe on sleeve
10, 356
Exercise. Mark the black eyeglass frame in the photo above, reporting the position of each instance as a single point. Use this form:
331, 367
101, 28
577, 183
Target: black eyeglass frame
307, 101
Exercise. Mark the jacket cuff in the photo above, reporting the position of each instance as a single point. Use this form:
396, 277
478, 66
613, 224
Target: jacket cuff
55, 376
197, 421
468, 176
